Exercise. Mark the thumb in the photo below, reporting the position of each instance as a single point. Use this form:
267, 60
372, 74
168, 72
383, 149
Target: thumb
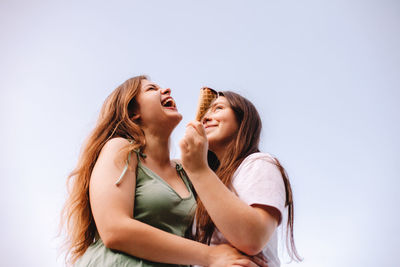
184, 146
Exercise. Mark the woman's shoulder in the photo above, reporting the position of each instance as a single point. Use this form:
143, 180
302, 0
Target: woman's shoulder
114, 147
117, 142
259, 156
258, 162
258, 168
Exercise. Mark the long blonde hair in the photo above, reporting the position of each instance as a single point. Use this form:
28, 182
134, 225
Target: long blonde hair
244, 144
114, 121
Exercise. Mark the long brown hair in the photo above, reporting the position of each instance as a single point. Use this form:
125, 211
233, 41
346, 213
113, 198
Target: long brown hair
245, 143
114, 121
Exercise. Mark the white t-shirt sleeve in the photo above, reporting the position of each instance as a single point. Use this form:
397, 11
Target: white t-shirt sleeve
259, 181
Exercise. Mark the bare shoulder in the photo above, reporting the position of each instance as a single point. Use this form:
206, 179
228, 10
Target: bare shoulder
113, 149
111, 163
116, 143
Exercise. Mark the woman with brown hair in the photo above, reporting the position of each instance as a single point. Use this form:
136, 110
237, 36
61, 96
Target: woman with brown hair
129, 204
242, 193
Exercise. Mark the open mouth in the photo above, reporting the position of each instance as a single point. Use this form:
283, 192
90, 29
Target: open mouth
168, 103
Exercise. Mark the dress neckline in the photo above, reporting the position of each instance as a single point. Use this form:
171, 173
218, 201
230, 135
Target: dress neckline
179, 170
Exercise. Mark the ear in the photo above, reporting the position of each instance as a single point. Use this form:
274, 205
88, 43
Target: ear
135, 117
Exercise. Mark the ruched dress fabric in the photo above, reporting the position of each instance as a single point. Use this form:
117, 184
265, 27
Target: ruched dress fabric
156, 204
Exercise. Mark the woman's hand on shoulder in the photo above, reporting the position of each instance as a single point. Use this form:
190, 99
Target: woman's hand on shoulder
194, 147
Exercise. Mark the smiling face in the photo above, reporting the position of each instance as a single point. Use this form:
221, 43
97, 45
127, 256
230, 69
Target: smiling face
220, 124
156, 108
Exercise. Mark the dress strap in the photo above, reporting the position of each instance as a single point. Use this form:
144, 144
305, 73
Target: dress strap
138, 154
179, 169
185, 178
125, 169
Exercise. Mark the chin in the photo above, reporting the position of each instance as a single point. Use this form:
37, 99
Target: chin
178, 117
212, 136
174, 120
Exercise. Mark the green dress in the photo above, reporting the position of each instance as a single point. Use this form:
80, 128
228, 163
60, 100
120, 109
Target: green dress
156, 204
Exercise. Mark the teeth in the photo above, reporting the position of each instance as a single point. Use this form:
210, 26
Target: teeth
168, 103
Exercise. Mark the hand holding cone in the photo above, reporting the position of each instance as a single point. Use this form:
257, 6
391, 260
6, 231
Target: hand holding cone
207, 96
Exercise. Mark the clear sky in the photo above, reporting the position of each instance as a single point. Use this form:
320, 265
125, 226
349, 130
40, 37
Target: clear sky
324, 75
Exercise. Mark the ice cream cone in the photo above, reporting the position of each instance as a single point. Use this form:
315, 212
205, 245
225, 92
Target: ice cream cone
207, 96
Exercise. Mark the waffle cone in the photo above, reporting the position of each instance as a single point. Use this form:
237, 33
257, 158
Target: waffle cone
207, 96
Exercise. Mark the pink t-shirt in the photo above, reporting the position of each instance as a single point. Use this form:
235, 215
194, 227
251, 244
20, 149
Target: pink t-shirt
258, 181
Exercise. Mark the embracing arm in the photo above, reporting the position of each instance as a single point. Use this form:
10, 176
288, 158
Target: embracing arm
112, 208
248, 228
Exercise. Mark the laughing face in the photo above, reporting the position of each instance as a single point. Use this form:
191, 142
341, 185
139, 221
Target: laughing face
220, 124
156, 106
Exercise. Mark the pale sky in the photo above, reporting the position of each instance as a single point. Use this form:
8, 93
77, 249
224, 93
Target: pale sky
324, 75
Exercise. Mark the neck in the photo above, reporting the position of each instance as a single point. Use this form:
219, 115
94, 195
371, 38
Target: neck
157, 148
219, 152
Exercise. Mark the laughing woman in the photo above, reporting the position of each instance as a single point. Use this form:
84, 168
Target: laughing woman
129, 204
242, 193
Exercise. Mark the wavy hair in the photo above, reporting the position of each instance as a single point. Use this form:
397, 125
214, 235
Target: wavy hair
245, 143
114, 121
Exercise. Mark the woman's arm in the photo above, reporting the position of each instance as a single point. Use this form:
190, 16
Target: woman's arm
112, 208
247, 228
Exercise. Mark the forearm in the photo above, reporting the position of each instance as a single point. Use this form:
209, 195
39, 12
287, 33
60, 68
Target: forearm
144, 241
242, 225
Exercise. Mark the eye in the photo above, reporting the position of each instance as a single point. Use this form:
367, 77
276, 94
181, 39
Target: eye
219, 107
150, 88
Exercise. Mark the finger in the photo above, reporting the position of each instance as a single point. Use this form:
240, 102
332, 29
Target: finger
260, 260
193, 137
245, 262
190, 135
184, 146
191, 126
201, 130
234, 264
198, 127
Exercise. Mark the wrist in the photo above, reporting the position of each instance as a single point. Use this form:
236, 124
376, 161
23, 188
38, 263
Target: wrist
209, 257
198, 173
204, 255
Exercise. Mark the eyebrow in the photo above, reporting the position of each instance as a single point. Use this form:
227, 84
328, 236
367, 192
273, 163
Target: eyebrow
215, 103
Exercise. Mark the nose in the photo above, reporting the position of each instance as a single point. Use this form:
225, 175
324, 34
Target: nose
206, 118
166, 91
